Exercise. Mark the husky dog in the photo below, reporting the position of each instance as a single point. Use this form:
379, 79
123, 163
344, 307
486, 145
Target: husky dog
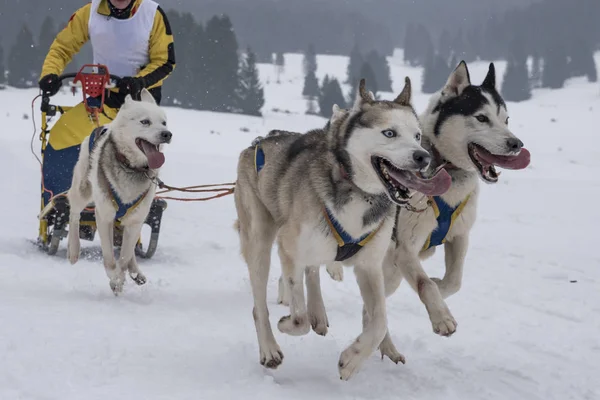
325, 196
116, 168
465, 128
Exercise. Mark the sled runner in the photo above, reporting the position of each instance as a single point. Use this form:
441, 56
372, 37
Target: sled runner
59, 155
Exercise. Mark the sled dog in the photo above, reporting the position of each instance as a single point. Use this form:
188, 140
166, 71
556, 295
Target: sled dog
116, 168
329, 196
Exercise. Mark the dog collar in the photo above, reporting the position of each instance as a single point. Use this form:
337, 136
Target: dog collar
125, 162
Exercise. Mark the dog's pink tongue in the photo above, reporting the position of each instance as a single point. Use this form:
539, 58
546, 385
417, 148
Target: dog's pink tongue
155, 158
435, 186
520, 161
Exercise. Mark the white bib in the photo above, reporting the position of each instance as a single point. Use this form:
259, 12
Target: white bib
122, 44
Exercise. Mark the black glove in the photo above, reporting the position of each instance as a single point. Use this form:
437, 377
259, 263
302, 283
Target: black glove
50, 84
132, 86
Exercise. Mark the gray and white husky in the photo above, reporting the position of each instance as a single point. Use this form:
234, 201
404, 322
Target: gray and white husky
465, 128
329, 196
115, 170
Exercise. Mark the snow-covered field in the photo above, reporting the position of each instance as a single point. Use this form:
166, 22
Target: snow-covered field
528, 312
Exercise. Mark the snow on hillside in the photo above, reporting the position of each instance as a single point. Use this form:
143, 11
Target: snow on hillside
528, 311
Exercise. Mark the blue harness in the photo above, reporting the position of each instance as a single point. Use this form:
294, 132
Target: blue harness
121, 208
445, 216
347, 245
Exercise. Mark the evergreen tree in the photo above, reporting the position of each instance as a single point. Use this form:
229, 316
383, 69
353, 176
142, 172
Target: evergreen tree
556, 69
2, 67
222, 65
251, 97
310, 60
473, 44
22, 61
417, 45
331, 93
47, 35
381, 70
458, 45
425, 45
170, 91
185, 87
535, 77
193, 56
445, 45
311, 85
311, 107
581, 61
366, 73
354, 65
515, 85
280, 59
435, 73
409, 44
279, 65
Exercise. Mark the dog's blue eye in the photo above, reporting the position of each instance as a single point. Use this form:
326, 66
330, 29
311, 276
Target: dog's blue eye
482, 118
418, 136
388, 133
164, 123
145, 122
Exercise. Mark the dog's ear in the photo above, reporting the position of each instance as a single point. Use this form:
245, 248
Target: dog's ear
362, 96
128, 101
405, 96
337, 114
146, 97
335, 111
490, 79
458, 81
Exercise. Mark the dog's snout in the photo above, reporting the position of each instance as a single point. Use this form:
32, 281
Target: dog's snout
514, 144
166, 136
421, 158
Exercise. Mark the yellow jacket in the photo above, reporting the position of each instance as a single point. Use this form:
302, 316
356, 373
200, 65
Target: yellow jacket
70, 40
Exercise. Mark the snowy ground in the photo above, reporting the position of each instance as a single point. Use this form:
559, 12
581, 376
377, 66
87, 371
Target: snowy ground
528, 312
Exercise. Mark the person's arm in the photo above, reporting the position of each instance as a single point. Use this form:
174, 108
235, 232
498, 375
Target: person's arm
68, 42
161, 52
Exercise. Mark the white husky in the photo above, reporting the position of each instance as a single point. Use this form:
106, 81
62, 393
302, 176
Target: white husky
115, 170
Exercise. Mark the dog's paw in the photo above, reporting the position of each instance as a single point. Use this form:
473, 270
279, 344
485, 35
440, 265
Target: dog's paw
388, 350
116, 285
297, 326
138, 278
271, 358
116, 280
335, 271
319, 323
281, 299
73, 251
318, 317
351, 360
444, 323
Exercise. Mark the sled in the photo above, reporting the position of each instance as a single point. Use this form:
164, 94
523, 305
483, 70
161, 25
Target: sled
58, 165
